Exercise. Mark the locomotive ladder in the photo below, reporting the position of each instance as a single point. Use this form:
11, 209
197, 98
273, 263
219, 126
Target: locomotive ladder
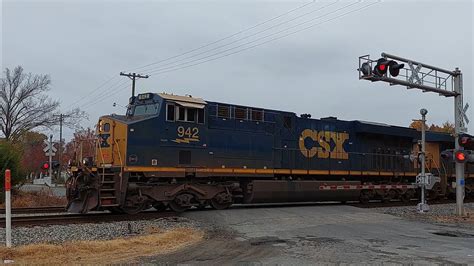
108, 189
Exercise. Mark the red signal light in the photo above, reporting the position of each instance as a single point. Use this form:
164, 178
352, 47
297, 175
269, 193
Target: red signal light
45, 166
381, 67
460, 156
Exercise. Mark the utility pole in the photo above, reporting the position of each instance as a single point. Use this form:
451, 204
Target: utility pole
60, 156
427, 78
133, 77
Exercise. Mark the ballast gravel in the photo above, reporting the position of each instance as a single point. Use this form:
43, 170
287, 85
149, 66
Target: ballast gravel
438, 213
57, 234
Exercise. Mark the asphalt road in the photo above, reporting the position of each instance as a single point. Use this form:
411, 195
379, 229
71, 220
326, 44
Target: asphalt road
319, 235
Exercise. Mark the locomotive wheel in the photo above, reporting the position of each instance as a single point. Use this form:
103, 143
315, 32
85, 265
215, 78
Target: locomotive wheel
181, 202
408, 195
364, 197
221, 201
405, 198
133, 209
133, 205
392, 194
435, 192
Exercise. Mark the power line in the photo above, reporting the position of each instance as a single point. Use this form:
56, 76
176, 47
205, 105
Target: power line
245, 37
193, 50
94, 90
254, 41
262, 43
106, 93
227, 37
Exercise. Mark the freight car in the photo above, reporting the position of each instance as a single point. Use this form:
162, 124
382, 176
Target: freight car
177, 152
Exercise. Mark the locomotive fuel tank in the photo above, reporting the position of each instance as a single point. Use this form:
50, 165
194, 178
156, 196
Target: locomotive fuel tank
266, 191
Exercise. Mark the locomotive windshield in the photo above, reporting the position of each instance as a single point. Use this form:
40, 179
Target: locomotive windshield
145, 109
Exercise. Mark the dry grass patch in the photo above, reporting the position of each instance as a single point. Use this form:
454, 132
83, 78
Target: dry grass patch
43, 198
109, 251
468, 218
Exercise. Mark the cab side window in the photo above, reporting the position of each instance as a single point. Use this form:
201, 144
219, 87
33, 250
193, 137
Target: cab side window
181, 113
200, 116
184, 114
170, 108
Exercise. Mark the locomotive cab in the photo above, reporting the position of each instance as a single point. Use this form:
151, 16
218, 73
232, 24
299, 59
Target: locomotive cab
127, 143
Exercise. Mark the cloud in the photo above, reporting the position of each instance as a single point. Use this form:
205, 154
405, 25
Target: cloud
81, 44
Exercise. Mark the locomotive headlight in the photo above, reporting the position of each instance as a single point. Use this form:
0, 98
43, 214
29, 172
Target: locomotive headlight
87, 161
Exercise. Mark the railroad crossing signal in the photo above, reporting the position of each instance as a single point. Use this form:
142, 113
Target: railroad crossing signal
414, 73
466, 141
54, 165
383, 65
463, 113
463, 156
447, 83
49, 149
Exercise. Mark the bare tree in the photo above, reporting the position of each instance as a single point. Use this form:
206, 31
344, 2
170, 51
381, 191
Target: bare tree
24, 105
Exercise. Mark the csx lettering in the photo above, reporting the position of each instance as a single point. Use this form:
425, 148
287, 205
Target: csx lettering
324, 149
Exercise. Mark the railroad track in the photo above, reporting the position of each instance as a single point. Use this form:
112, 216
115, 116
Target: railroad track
30, 210
95, 217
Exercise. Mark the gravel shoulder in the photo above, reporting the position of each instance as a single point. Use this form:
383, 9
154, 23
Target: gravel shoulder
102, 243
439, 214
58, 234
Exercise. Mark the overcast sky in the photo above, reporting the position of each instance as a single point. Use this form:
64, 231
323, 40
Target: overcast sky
84, 44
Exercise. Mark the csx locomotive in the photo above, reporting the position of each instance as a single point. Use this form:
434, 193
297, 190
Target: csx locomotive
177, 152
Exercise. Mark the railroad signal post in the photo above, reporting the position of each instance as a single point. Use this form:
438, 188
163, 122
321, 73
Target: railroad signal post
422, 206
8, 209
50, 151
427, 78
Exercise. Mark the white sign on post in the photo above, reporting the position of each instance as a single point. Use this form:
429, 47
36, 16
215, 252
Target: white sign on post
49, 148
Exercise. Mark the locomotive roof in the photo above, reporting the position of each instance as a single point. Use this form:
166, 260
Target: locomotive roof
361, 126
180, 98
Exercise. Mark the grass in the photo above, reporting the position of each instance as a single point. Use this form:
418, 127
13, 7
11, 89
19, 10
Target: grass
43, 198
119, 250
467, 218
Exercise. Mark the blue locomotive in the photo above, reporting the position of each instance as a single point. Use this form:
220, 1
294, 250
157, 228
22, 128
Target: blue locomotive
176, 152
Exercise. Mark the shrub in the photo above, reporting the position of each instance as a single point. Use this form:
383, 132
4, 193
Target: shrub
10, 159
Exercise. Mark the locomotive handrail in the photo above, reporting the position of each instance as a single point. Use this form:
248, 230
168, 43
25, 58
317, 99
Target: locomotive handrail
102, 157
121, 163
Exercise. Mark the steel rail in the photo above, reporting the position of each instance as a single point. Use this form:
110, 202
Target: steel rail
42, 220
28, 210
